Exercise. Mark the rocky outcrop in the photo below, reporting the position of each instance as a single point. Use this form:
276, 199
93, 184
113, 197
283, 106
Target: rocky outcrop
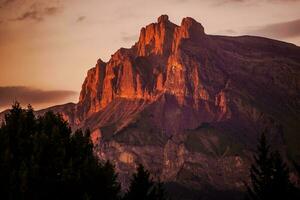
158, 63
189, 106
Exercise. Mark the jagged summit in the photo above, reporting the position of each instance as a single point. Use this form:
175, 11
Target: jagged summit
100, 62
163, 19
161, 43
192, 27
156, 37
162, 37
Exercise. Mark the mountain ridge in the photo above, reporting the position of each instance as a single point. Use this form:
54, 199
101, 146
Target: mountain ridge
190, 106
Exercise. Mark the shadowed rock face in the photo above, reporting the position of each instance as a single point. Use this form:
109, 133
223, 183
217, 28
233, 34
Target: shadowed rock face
190, 106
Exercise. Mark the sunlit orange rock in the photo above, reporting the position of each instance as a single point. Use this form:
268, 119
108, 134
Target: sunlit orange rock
155, 64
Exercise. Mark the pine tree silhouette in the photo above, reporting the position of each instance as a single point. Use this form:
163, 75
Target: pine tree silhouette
159, 192
142, 187
281, 185
261, 172
297, 189
269, 175
40, 158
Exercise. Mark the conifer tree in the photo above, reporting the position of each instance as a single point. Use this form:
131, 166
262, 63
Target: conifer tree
159, 192
261, 172
143, 187
40, 158
282, 188
140, 186
297, 189
269, 175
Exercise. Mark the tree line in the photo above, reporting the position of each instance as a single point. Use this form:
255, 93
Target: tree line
40, 158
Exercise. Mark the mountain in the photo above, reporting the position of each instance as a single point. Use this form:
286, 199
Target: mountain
190, 106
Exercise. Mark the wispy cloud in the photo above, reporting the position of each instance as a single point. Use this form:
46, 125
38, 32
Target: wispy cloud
281, 30
230, 31
251, 2
227, 32
4, 3
28, 95
81, 18
52, 10
246, 1
128, 38
38, 14
34, 15
37, 10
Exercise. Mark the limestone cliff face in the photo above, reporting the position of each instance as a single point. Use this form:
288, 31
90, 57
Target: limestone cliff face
190, 106
92, 89
163, 61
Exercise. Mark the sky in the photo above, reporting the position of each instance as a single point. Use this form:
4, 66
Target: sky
47, 46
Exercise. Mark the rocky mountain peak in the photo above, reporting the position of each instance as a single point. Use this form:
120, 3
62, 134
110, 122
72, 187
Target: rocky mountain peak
100, 62
191, 28
156, 38
154, 65
163, 19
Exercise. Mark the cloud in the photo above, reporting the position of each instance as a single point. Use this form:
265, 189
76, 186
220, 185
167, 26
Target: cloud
230, 31
81, 18
282, 1
51, 10
179, 1
33, 96
129, 38
234, 1
38, 14
247, 1
281, 30
251, 2
227, 32
4, 3
36, 10
34, 15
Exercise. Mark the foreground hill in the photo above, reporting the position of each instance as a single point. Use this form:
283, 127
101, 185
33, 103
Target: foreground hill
189, 106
